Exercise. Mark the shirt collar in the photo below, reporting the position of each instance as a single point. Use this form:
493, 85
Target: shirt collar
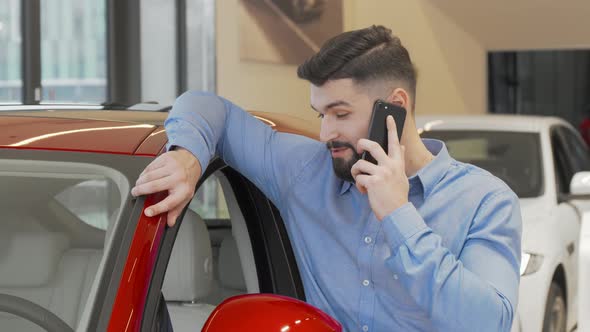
431, 174
428, 175
344, 187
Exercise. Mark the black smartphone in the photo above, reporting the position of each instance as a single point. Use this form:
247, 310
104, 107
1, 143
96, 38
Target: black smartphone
378, 125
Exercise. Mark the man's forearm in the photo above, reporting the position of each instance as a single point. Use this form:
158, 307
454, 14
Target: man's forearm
460, 294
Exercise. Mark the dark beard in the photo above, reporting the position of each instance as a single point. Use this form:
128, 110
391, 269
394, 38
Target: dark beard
343, 166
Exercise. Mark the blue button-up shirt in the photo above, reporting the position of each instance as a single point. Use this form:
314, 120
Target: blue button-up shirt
446, 261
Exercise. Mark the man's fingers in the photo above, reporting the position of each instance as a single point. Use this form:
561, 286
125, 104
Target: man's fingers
159, 162
361, 182
152, 175
373, 148
392, 141
363, 167
171, 202
173, 215
402, 154
152, 187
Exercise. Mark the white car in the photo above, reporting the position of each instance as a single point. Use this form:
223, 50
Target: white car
543, 160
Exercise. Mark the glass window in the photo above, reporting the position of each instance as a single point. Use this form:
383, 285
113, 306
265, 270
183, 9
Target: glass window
513, 157
10, 56
73, 51
95, 201
200, 45
209, 201
48, 254
158, 50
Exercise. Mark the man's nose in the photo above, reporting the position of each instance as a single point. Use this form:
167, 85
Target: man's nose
327, 132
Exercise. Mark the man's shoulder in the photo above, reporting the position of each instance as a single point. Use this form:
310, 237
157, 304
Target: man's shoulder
475, 179
301, 152
312, 160
300, 146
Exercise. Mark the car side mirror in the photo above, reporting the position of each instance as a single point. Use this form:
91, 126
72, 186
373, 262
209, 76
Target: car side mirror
268, 312
580, 184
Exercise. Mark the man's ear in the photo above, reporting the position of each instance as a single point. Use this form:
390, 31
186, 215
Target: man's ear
399, 97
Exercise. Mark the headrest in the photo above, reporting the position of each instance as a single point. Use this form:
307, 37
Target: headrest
230, 268
30, 259
190, 269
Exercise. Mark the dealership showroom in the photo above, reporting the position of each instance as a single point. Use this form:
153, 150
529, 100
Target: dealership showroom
294, 165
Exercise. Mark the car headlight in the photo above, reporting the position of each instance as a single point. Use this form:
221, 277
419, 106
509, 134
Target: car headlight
530, 263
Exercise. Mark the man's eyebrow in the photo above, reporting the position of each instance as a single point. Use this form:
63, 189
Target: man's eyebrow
333, 104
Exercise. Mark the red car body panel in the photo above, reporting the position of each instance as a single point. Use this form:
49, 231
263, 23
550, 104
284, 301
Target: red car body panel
127, 311
74, 135
116, 132
154, 143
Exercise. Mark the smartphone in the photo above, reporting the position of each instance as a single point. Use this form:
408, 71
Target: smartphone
378, 125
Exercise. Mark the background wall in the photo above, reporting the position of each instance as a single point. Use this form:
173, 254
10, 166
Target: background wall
451, 63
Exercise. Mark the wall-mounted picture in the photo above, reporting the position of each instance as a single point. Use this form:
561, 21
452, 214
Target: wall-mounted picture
286, 31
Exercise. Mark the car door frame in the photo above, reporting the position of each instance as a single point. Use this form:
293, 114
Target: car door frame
124, 290
273, 255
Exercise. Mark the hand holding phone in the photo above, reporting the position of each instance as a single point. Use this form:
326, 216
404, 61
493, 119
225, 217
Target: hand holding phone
378, 125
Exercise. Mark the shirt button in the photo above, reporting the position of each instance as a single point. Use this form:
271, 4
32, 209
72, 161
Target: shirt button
365, 328
368, 239
365, 282
395, 276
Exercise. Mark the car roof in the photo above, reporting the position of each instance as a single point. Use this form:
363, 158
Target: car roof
494, 122
107, 131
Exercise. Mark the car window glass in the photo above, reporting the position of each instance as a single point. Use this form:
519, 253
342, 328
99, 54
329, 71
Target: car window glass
52, 238
469, 148
209, 246
209, 201
93, 201
513, 157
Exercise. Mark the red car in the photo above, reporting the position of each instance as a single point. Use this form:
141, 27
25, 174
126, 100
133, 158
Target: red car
77, 252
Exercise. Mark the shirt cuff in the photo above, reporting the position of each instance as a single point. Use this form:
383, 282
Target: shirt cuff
402, 224
181, 136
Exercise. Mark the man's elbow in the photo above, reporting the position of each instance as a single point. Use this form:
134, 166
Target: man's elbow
200, 101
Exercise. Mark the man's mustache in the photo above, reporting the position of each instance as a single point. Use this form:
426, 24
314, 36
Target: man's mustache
338, 144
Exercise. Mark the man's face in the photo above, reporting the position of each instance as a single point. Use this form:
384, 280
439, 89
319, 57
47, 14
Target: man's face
345, 109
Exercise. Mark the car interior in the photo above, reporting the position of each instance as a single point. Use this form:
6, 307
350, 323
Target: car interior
57, 218
50, 251
212, 258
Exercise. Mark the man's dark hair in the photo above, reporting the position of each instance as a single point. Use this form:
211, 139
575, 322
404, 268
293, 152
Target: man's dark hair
363, 55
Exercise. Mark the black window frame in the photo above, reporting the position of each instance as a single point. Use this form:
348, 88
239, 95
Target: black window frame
561, 164
567, 161
577, 151
31, 51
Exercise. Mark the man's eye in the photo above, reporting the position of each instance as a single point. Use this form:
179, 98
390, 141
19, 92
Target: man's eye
320, 115
340, 116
